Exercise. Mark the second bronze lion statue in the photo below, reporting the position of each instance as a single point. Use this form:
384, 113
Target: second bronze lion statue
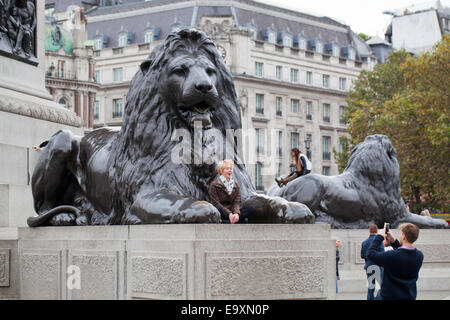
129, 176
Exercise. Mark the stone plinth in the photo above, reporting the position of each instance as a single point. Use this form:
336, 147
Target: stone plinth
435, 272
171, 262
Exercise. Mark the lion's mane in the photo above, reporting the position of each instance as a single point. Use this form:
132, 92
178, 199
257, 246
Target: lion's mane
142, 152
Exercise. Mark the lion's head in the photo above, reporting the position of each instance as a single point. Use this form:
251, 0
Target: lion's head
183, 84
374, 164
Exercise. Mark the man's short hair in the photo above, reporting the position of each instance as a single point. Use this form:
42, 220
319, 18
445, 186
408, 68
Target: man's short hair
373, 228
411, 231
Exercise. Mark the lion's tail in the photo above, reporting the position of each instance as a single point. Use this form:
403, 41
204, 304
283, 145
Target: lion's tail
43, 218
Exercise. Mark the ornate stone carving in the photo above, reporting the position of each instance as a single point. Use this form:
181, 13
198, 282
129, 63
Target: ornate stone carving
18, 29
217, 27
34, 110
243, 99
39, 270
158, 277
240, 277
4, 267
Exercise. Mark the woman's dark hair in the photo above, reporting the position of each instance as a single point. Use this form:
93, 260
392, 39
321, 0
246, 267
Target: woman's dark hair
296, 152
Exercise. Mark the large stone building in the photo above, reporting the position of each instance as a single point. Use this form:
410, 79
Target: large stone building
418, 28
292, 71
70, 63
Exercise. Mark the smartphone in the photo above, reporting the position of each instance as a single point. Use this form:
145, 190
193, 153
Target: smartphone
386, 228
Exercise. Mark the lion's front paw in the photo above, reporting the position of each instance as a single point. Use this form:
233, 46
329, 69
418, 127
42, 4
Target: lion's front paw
63, 219
198, 212
294, 212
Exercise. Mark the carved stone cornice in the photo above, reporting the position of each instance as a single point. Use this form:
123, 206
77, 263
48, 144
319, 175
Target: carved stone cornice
42, 112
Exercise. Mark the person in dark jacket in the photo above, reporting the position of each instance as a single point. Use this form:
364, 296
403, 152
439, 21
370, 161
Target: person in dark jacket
401, 265
225, 195
338, 257
373, 230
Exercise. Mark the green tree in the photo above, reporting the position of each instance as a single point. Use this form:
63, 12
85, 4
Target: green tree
364, 36
407, 99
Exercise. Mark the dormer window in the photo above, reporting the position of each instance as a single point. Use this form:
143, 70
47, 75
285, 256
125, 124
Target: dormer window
301, 42
98, 44
286, 39
319, 47
350, 53
270, 35
122, 40
149, 36
333, 49
100, 41
316, 45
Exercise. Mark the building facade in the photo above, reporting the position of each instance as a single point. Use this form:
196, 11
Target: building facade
292, 72
70, 63
418, 28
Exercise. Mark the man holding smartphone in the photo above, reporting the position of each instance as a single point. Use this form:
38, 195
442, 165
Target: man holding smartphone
401, 265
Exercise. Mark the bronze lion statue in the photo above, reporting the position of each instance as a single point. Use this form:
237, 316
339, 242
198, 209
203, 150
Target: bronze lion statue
368, 191
130, 176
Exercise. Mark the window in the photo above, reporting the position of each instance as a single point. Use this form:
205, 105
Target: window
335, 51
326, 80
302, 44
351, 54
341, 115
294, 75
326, 155
271, 37
259, 72
326, 112
98, 44
97, 76
295, 137
342, 84
259, 141
118, 74
259, 103
309, 110
309, 77
342, 144
326, 171
279, 166
295, 103
61, 69
96, 109
279, 73
123, 40
279, 143
258, 177
148, 37
63, 102
319, 47
279, 106
287, 41
117, 108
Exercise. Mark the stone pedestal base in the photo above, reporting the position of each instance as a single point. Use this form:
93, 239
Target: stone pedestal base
172, 262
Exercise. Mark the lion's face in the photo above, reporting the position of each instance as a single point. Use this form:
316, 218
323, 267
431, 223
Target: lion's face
189, 83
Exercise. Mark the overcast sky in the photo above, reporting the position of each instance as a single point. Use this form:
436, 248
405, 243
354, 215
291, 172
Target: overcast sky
364, 16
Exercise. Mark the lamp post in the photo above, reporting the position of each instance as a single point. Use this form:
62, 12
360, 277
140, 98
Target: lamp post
308, 147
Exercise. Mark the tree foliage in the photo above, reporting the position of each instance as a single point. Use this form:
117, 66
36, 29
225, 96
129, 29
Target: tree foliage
407, 99
364, 36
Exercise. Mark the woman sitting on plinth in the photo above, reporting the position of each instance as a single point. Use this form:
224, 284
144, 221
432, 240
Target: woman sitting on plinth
224, 194
302, 164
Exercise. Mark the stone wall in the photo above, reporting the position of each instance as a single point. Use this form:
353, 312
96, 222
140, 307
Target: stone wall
170, 262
